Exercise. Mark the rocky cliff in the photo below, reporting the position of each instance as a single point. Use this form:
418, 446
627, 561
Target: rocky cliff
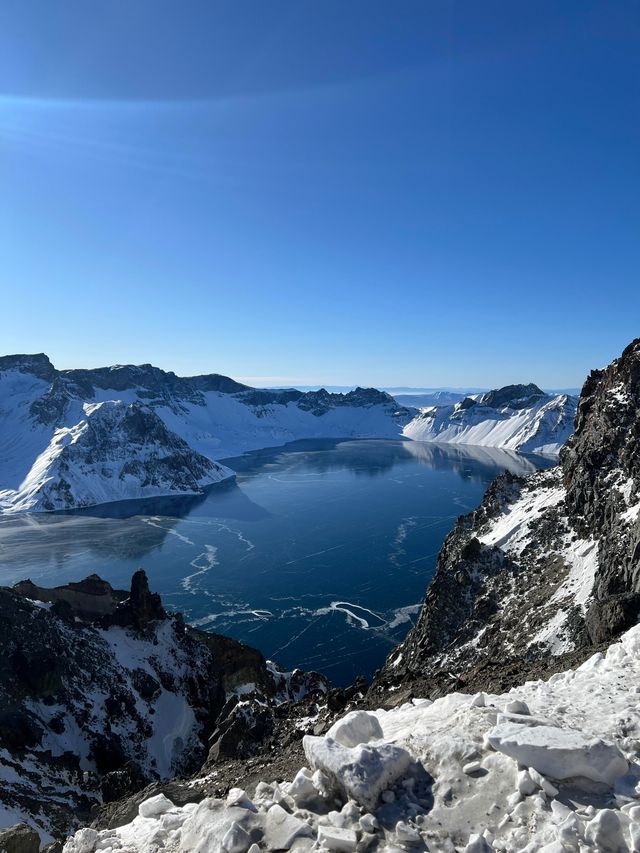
102, 693
546, 569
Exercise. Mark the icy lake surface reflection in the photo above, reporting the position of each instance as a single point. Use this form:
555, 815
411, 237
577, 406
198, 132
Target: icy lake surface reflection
319, 555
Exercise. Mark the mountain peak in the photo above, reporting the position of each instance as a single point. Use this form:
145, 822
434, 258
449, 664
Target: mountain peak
509, 394
36, 363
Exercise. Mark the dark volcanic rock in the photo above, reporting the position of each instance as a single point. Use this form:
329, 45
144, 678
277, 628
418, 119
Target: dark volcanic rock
562, 575
606, 618
89, 598
515, 396
38, 364
142, 606
601, 465
90, 697
20, 838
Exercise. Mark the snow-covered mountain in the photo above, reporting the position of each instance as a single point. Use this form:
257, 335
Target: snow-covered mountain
82, 437
113, 451
75, 438
533, 613
516, 417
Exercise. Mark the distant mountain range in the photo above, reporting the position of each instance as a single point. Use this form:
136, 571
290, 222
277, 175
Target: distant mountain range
407, 391
74, 438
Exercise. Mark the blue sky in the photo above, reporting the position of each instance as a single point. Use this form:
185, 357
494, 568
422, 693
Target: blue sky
409, 193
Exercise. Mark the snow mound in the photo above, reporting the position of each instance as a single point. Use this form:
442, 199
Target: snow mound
360, 773
560, 753
551, 766
357, 727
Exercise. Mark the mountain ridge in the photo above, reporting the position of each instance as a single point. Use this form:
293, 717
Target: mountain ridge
49, 420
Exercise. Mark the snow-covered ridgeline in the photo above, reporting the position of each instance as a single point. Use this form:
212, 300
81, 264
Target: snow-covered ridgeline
541, 426
114, 451
83, 437
68, 443
550, 766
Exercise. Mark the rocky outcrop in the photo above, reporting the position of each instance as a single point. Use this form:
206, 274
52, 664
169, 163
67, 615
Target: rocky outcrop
512, 396
87, 599
546, 569
36, 364
20, 838
601, 468
102, 692
320, 402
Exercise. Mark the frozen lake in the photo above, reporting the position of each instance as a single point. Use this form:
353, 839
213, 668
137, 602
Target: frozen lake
319, 555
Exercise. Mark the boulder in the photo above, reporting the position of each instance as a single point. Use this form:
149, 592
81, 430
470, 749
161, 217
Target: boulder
20, 838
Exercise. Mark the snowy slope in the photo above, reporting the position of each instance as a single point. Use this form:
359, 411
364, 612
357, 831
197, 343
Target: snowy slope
536, 423
86, 701
103, 692
79, 438
68, 438
112, 451
550, 766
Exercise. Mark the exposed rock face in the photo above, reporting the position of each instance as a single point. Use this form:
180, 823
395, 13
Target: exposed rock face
102, 692
89, 598
546, 569
513, 396
37, 364
320, 402
601, 466
20, 838
155, 383
142, 606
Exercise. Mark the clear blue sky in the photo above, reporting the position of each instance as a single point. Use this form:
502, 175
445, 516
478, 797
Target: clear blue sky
408, 192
